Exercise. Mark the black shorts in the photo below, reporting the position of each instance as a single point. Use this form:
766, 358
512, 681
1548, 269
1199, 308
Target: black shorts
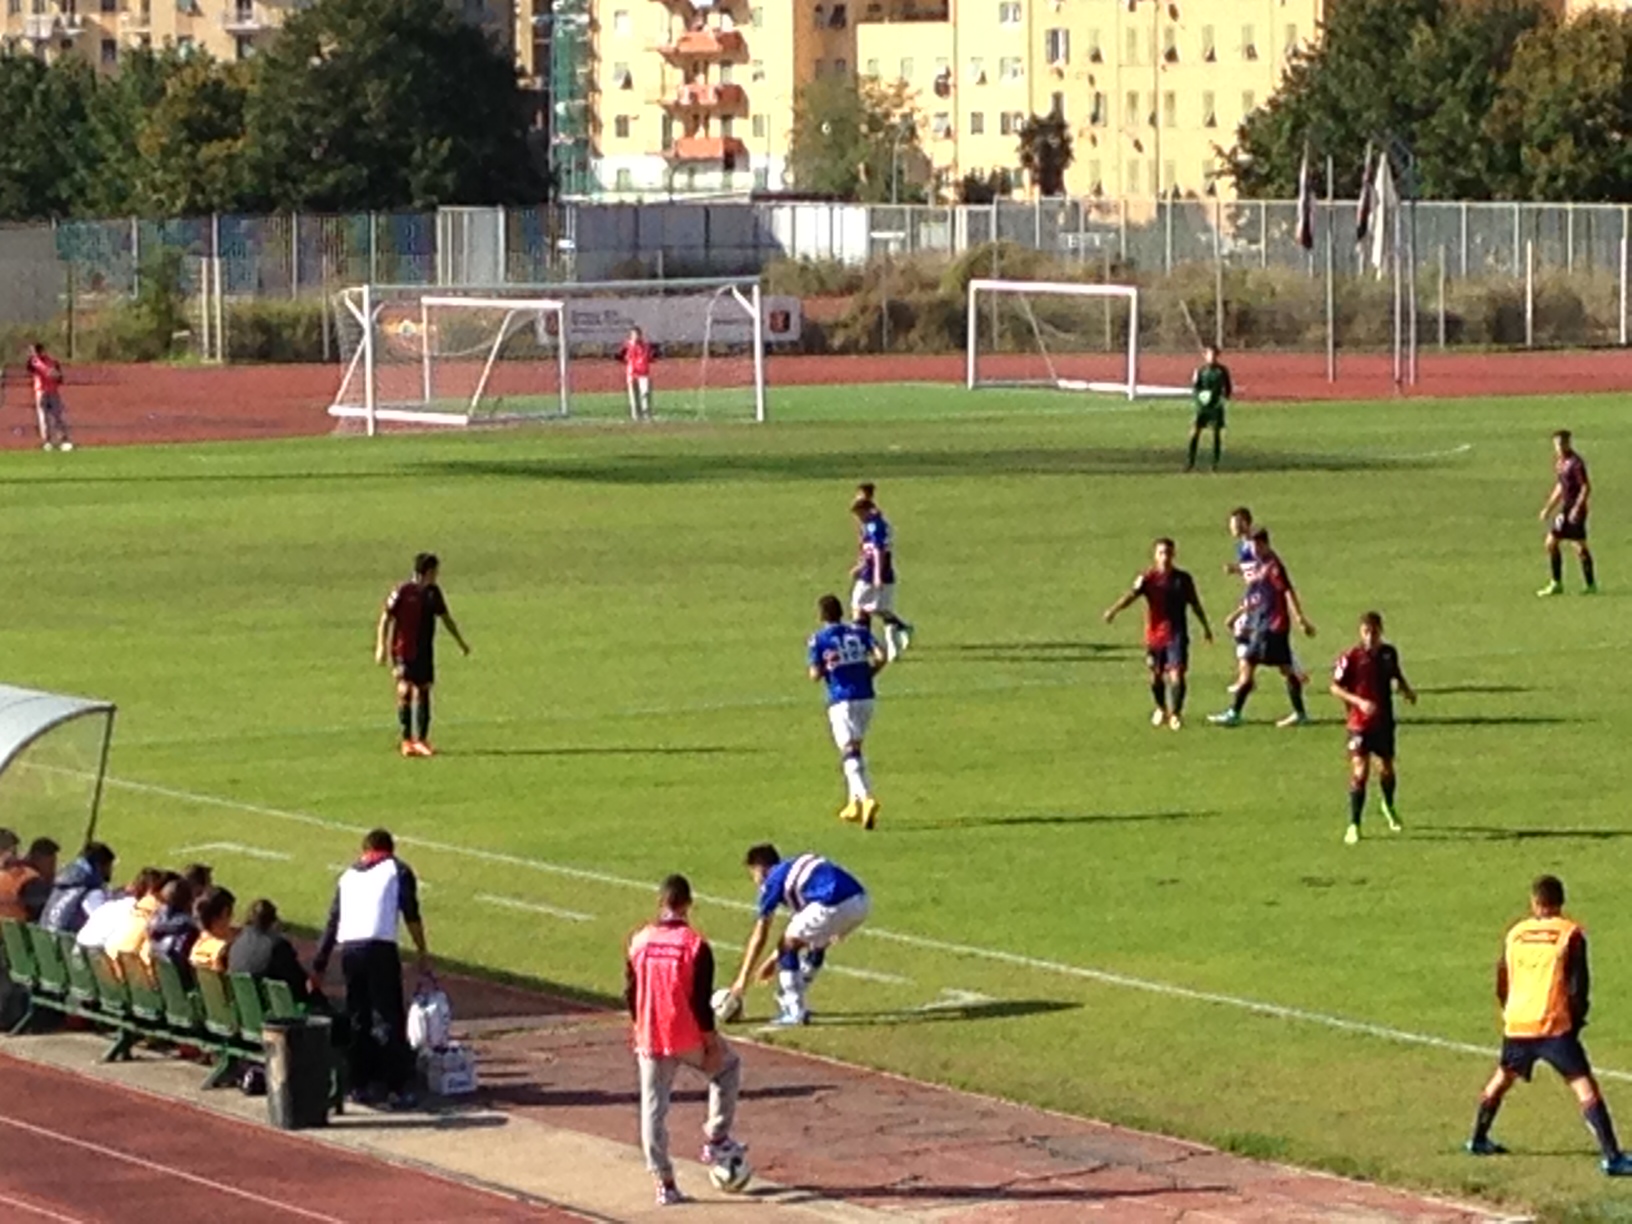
1210, 418
1564, 529
1175, 656
1374, 741
1270, 648
1563, 1054
418, 672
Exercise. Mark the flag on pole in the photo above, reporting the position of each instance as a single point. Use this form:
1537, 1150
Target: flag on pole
1368, 199
1386, 200
1306, 205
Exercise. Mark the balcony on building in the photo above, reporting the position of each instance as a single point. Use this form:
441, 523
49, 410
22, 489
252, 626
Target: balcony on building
717, 97
706, 44
903, 10
42, 28
136, 19
708, 149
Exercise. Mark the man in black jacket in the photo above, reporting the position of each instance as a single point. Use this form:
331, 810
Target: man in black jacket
263, 951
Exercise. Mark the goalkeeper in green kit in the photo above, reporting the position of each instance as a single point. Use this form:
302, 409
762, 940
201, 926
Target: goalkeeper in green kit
1212, 390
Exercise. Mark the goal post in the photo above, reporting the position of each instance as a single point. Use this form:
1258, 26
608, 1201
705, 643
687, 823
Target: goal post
444, 357
1057, 334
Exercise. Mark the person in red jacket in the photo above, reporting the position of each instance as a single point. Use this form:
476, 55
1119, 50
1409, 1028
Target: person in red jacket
636, 356
669, 988
46, 372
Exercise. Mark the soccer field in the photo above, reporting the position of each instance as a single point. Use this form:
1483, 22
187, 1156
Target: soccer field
1071, 908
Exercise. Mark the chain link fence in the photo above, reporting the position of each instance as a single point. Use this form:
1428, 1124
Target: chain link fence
1497, 275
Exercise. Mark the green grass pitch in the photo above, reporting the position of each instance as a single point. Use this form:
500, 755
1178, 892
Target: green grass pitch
637, 704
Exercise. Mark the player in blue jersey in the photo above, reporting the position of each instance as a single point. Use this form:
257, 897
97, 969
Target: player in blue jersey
1245, 566
826, 903
874, 574
845, 658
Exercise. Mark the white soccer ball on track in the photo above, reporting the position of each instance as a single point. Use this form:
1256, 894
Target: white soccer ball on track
731, 1176
727, 1006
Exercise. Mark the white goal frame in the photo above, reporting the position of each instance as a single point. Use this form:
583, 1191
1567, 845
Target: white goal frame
1130, 386
363, 363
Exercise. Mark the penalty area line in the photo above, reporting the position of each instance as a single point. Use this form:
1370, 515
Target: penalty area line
1103, 977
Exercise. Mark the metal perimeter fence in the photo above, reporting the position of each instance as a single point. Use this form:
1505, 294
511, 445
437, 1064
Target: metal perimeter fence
1483, 274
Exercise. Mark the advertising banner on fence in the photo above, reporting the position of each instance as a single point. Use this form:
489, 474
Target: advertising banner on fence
681, 319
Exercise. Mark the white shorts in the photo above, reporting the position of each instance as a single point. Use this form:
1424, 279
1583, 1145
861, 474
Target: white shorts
865, 597
818, 925
849, 721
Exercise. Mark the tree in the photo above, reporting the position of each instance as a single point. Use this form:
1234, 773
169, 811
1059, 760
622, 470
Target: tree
1565, 108
1425, 72
191, 143
855, 141
46, 158
117, 111
1046, 152
374, 104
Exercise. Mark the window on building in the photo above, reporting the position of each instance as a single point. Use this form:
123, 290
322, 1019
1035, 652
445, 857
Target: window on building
1132, 183
819, 16
666, 135
872, 68
756, 70
1209, 109
1249, 43
1008, 123
1095, 54
977, 123
839, 18
762, 178
620, 127
1249, 102
819, 68
1170, 109
620, 76
624, 181
1008, 13
941, 125
1291, 42
620, 23
1170, 178
1209, 45
760, 127
1170, 45
1096, 179
1209, 178
726, 71
1056, 105
841, 68
184, 45
1132, 55
728, 127
109, 52
112, 6
243, 47
1011, 68
977, 70
906, 68
1057, 46
1097, 117
1130, 112
756, 17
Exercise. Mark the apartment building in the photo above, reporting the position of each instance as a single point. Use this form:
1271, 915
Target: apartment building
696, 96
104, 30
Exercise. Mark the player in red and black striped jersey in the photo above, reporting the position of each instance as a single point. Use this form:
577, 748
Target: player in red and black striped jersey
406, 636
1364, 681
1170, 595
1566, 514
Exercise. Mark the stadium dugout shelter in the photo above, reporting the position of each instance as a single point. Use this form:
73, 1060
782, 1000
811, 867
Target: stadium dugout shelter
53, 761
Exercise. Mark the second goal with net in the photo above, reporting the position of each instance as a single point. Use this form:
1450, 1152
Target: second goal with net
1059, 335
425, 357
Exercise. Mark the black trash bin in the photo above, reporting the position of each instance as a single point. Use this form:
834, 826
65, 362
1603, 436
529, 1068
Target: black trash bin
299, 1062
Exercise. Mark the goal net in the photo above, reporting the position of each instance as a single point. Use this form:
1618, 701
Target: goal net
424, 357
1058, 335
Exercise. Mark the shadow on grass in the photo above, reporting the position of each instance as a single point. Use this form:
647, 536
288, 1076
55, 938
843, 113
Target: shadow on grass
1030, 652
1056, 818
1489, 720
667, 467
1494, 834
939, 1013
630, 750
1454, 690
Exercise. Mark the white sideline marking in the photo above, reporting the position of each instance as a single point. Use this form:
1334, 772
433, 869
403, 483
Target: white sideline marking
42, 1212
952, 1000
865, 975
533, 907
1059, 968
154, 1166
1439, 454
254, 852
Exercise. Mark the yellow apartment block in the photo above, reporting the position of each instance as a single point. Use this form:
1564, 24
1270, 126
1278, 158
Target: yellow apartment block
696, 96
103, 30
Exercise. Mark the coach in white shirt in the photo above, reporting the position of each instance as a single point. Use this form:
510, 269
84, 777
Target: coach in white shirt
373, 893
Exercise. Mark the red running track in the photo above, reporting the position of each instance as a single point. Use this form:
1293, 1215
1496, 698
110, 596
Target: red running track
79, 1151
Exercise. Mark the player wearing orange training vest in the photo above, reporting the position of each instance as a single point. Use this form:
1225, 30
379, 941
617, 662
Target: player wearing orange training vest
668, 986
1542, 983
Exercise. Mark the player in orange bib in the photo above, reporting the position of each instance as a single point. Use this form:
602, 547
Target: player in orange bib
1542, 984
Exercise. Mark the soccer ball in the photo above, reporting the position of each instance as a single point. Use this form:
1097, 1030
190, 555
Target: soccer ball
727, 1006
732, 1175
